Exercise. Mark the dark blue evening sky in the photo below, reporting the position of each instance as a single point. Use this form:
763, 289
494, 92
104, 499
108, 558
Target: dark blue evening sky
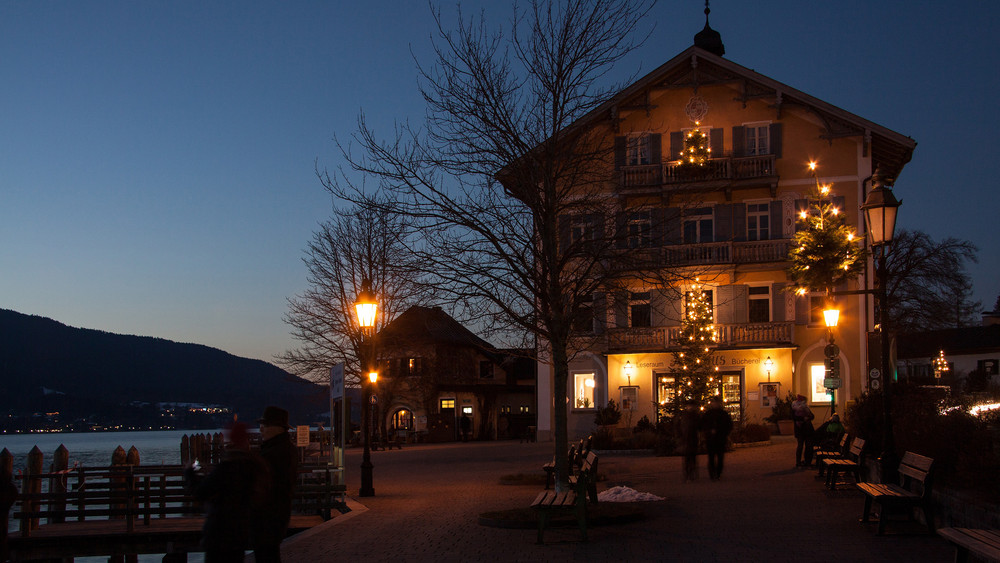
157, 158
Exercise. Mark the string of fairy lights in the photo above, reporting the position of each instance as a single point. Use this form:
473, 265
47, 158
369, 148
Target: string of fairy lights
825, 250
697, 378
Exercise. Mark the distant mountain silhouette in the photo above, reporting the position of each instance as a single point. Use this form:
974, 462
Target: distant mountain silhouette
46, 364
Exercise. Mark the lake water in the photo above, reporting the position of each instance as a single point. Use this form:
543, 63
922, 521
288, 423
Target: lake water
94, 449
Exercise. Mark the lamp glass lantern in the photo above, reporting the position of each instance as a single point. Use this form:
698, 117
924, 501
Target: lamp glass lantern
831, 316
366, 307
768, 365
880, 211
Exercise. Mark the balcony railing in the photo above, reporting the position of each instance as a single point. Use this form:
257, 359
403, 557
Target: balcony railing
725, 168
730, 335
752, 252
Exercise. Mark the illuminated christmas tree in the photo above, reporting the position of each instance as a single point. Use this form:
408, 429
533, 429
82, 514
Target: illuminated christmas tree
825, 251
697, 378
696, 150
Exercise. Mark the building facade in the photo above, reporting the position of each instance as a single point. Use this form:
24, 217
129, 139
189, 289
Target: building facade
724, 230
433, 371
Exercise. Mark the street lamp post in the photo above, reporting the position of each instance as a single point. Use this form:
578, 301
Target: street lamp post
831, 316
880, 218
366, 308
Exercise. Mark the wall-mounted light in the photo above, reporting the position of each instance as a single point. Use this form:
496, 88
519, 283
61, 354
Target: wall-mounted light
628, 369
768, 365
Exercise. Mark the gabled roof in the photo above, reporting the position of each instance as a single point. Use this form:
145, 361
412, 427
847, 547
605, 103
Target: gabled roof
696, 67
954, 342
429, 325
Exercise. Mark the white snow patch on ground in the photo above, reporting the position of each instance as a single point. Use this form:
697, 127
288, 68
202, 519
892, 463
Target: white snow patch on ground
625, 494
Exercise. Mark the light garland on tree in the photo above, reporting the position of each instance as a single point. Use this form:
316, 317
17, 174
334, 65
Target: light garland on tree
825, 251
696, 150
698, 378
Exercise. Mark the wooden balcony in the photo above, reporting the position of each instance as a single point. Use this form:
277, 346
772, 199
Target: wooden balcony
725, 168
661, 339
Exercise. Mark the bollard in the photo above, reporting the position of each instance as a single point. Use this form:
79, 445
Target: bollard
32, 485
57, 483
217, 448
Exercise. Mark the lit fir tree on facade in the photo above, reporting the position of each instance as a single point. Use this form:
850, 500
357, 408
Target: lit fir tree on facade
825, 251
696, 150
696, 376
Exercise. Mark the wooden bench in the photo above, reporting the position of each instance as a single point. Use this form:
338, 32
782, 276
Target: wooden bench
839, 452
984, 543
913, 491
574, 457
574, 500
851, 463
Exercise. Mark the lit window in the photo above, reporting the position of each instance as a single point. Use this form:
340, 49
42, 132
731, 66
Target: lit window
583, 390
759, 304
698, 225
638, 149
640, 228
758, 138
758, 221
640, 313
447, 404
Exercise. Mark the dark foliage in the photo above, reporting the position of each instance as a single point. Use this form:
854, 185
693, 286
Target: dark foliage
644, 425
963, 446
750, 432
608, 415
782, 409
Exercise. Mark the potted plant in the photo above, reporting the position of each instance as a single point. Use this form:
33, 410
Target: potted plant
781, 414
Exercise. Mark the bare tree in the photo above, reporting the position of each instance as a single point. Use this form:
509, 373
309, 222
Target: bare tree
510, 196
929, 287
358, 243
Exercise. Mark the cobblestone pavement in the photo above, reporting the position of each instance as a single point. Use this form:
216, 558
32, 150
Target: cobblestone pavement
428, 498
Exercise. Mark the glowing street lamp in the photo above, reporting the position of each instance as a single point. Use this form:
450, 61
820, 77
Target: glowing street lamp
768, 365
367, 309
880, 209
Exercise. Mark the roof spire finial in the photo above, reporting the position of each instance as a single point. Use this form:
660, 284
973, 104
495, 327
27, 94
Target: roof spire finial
709, 39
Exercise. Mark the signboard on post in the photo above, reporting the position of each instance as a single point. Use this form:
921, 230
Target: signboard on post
302, 436
337, 382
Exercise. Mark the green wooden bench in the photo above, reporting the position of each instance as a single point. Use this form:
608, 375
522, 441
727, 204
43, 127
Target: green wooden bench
983, 543
838, 452
913, 491
574, 500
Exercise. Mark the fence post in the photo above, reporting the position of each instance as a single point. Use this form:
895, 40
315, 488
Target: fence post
57, 484
32, 485
8, 494
185, 450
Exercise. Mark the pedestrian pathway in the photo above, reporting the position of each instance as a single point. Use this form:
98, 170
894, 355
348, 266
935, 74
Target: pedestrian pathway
428, 498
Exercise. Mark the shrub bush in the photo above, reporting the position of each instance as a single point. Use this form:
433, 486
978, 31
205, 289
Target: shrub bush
644, 425
751, 432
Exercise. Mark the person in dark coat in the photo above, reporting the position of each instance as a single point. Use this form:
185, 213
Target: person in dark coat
803, 416
465, 423
690, 420
231, 493
270, 525
716, 423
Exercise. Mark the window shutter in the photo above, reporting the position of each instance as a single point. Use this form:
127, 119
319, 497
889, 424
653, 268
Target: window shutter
723, 223
672, 310
741, 305
658, 308
800, 206
801, 309
716, 137
621, 310
724, 302
564, 232
620, 144
739, 222
673, 227
657, 228
778, 302
775, 134
656, 148
621, 229
676, 145
739, 141
777, 227
600, 313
